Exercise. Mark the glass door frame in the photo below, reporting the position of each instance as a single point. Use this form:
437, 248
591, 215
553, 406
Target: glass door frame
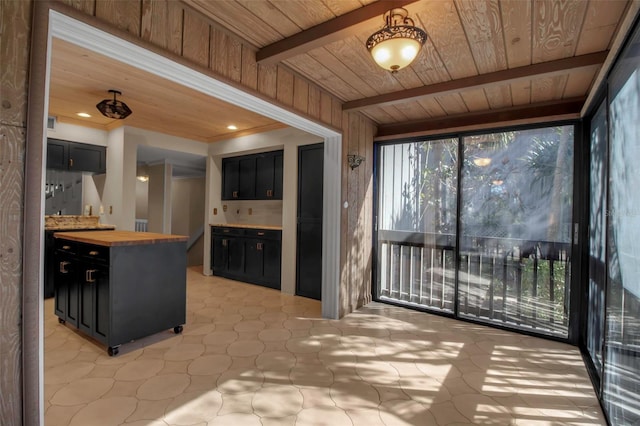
579, 222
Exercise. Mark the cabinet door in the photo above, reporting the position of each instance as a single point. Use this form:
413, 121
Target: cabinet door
247, 190
219, 254
87, 158
65, 277
265, 176
254, 261
230, 178
85, 297
100, 276
272, 260
57, 154
235, 248
277, 176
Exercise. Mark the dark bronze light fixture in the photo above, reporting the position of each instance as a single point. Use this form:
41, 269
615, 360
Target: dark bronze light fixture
397, 44
114, 108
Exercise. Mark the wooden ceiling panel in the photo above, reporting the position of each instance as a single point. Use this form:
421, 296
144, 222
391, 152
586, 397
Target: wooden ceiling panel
599, 25
323, 77
556, 28
432, 107
237, 19
441, 22
428, 65
304, 14
475, 100
516, 23
452, 104
323, 56
579, 83
520, 92
412, 110
395, 113
81, 78
269, 12
483, 27
547, 89
498, 96
340, 7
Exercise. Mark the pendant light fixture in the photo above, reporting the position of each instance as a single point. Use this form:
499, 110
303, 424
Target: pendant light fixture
397, 44
114, 108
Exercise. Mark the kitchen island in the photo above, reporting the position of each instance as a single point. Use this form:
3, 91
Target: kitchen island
118, 286
58, 223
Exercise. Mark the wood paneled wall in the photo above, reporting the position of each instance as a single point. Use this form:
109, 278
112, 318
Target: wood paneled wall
15, 24
176, 30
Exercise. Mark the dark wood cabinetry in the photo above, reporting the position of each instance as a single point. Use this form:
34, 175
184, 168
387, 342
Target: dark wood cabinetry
74, 156
120, 293
253, 177
247, 254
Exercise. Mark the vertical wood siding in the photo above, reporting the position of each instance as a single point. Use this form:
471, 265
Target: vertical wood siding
15, 24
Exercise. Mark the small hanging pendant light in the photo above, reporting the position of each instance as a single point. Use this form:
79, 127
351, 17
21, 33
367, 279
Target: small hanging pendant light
114, 108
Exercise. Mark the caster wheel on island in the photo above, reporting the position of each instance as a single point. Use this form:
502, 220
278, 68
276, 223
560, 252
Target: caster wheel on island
113, 350
61, 321
177, 329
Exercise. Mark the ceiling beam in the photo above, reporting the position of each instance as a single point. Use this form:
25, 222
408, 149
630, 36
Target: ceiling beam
532, 113
327, 32
543, 69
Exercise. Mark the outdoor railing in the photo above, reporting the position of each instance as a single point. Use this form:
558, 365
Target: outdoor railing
517, 282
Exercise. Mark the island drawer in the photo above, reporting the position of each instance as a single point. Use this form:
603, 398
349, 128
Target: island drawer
66, 246
94, 252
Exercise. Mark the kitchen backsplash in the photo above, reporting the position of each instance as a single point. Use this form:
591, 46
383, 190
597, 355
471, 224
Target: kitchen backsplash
263, 212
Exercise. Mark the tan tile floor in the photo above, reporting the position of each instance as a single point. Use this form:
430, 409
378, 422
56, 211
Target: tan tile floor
252, 356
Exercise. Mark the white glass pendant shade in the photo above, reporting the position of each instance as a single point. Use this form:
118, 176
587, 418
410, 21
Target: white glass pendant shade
395, 53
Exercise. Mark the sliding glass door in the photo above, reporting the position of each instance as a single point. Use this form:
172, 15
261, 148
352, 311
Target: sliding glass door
507, 260
515, 228
417, 190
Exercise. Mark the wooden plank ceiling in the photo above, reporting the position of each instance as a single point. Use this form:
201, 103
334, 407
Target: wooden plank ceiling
81, 78
480, 55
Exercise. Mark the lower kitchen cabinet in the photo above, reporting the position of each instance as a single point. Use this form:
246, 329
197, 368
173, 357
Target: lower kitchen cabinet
247, 254
120, 293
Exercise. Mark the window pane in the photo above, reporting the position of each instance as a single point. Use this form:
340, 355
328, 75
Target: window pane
622, 345
416, 223
597, 239
517, 190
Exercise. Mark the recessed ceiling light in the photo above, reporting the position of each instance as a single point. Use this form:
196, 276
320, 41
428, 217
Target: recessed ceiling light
83, 114
232, 127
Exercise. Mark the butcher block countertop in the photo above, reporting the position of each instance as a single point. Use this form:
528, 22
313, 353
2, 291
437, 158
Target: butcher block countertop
247, 226
119, 238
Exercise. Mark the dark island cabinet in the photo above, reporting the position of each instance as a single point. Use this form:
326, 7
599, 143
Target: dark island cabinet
253, 177
120, 293
247, 254
75, 156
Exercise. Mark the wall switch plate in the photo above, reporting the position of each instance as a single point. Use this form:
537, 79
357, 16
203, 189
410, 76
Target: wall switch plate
215, 211
250, 211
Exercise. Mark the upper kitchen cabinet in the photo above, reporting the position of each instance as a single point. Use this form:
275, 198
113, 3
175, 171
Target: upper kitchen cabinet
74, 156
252, 177
269, 176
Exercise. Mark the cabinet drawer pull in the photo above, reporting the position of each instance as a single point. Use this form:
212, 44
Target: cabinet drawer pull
89, 275
94, 253
259, 246
225, 230
269, 193
66, 247
224, 243
235, 194
70, 162
63, 267
260, 233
